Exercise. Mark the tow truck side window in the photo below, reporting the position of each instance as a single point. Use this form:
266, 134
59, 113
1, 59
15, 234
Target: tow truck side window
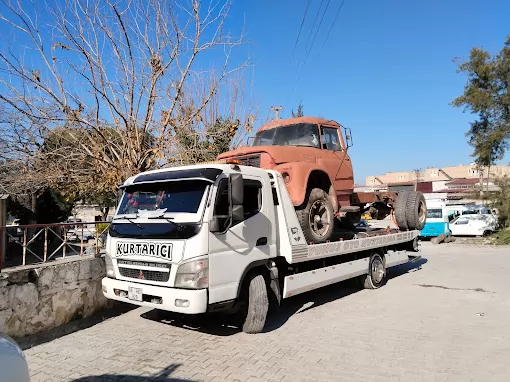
252, 199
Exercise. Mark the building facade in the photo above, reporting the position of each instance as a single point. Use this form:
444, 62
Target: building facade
444, 174
457, 183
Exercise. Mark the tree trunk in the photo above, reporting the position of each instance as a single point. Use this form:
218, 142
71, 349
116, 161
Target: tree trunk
33, 207
105, 211
488, 176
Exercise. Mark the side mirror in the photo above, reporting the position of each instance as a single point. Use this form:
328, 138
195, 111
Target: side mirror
214, 225
236, 189
348, 137
237, 213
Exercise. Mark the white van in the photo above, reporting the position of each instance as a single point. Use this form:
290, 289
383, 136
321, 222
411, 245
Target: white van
473, 225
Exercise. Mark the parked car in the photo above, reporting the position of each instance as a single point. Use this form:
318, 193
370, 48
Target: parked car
13, 364
474, 225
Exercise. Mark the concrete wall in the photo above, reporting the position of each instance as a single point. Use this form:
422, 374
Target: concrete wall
42, 297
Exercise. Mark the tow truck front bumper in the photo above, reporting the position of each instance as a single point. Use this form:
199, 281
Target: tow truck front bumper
186, 301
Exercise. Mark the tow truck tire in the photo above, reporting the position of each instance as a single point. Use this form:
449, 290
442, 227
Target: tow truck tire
258, 304
416, 210
376, 276
401, 209
413, 245
317, 218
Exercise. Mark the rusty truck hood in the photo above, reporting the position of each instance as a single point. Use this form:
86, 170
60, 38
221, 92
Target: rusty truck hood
280, 154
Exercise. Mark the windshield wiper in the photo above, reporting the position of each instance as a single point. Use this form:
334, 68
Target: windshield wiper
168, 219
131, 221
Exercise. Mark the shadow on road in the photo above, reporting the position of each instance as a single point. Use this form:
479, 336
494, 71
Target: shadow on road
222, 325
402, 269
73, 326
163, 376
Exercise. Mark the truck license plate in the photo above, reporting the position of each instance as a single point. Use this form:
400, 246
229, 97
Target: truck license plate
135, 293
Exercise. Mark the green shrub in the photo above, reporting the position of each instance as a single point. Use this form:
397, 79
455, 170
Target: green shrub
502, 237
102, 228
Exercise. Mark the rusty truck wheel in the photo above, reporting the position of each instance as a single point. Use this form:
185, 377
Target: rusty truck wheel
317, 217
400, 210
416, 210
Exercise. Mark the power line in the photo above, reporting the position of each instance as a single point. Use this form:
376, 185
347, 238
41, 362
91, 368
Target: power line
314, 21
333, 23
300, 29
316, 32
313, 41
329, 31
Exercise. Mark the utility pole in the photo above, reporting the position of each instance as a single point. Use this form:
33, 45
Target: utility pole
276, 110
417, 177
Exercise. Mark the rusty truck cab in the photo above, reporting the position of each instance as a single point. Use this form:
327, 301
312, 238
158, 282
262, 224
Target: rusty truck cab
309, 152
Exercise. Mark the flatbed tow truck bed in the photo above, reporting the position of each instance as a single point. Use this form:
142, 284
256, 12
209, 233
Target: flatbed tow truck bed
352, 266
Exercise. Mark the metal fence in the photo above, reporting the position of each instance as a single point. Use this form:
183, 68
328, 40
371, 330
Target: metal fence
40, 243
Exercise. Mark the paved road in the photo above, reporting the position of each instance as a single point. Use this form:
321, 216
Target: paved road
448, 321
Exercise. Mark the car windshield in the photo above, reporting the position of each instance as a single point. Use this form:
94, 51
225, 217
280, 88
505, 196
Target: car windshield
168, 197
435, 213
299, 134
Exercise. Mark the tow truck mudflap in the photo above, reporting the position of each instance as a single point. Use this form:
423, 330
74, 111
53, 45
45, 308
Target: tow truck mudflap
414, 259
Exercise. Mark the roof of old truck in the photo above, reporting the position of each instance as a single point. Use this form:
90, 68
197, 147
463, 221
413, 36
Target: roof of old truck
293, 121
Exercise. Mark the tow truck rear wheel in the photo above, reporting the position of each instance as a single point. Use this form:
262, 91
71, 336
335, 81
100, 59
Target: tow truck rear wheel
376, 276
317, 218
255, 303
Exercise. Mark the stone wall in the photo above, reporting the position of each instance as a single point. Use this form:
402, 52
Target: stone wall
37, 298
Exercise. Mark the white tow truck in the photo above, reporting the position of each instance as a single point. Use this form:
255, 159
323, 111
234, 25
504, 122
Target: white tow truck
225, 237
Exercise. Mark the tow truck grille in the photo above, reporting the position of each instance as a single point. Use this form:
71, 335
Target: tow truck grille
252, 160
143, 274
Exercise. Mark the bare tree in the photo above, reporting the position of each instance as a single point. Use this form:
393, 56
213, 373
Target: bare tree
116, 81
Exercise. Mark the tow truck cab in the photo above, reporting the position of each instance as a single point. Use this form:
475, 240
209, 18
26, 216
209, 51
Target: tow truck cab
174, 228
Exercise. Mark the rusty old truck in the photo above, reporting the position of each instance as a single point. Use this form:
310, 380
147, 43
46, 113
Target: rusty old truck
312, 156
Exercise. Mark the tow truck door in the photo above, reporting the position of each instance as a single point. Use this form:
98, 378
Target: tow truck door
245, 242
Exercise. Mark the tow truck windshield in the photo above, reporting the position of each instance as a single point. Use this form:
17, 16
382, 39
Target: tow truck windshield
166, 203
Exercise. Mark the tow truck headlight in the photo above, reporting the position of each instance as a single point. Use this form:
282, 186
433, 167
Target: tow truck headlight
193, 275
110, 272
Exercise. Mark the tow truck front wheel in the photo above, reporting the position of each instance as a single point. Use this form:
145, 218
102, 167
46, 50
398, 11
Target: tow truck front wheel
317, 218
255, 304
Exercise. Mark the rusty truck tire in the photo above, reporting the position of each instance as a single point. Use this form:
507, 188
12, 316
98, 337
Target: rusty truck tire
401, 209
317, 218
416, 210
258, 304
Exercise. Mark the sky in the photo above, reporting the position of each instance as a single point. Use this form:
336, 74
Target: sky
382, 68
386, 71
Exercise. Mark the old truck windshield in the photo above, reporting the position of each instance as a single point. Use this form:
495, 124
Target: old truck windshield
299, 134
169, 197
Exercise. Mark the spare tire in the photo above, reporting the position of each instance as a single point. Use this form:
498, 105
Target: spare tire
416, 210
400, 210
